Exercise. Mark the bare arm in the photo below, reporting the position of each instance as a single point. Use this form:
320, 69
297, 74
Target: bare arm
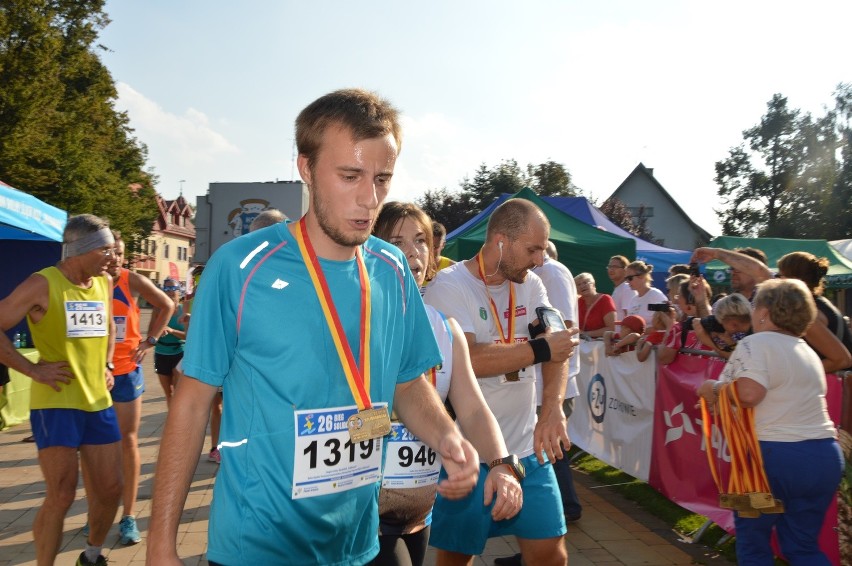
30, 297
490, 359
820, 338
550, 430
643, 350
183, 438
609, 326
417, 405
478, 424
698, 286
736, 260
110, 378
162, 305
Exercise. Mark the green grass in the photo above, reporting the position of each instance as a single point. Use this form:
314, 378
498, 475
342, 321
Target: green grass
683, 521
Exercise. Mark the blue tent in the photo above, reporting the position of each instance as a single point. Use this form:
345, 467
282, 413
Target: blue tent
24, 217
30, 238
580, 208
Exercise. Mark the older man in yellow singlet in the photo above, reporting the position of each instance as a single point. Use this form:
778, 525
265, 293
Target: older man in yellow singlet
68, 309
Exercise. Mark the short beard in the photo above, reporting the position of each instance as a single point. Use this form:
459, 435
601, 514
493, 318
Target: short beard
330, 230
513, 274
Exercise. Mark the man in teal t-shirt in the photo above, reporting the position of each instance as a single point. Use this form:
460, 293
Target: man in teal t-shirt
308, 326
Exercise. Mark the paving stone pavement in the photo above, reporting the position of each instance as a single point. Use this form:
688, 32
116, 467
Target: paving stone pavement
613, 531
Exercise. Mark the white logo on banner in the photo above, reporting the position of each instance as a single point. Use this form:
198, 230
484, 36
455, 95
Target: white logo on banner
675, 432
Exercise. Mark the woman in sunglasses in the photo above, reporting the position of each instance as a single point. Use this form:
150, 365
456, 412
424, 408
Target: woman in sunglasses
169, 349
639, 278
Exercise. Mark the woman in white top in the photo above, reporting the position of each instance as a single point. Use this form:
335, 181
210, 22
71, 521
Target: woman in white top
776, 372
639, 278
405, 511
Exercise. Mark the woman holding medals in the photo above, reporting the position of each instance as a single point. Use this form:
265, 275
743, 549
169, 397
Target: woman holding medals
411, 469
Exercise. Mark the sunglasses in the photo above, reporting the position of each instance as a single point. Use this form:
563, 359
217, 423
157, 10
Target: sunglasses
630, 277
171, 288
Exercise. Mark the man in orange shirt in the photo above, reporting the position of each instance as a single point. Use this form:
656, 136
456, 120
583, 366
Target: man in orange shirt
130, 349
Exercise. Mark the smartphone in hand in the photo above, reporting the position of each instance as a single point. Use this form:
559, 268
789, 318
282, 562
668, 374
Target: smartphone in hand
550, 317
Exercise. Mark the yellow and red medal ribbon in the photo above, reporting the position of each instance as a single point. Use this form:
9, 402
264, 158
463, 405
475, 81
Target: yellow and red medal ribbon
737, 425
358, 378
511, 330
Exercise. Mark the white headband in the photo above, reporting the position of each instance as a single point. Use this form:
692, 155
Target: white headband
87, 243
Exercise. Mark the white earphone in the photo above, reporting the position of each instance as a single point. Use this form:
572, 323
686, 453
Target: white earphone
500, 245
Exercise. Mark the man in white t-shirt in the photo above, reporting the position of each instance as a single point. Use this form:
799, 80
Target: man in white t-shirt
622, 293
494, 296
562, 294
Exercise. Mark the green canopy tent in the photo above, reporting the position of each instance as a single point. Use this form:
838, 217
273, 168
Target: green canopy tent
839, 272
581, 247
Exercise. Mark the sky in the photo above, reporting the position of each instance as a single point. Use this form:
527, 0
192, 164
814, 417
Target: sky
213, 87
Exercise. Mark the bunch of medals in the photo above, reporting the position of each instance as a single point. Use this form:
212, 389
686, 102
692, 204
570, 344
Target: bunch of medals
748, 491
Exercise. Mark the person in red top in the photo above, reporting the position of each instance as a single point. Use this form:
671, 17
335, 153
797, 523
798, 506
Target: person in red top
596, 314
130, 349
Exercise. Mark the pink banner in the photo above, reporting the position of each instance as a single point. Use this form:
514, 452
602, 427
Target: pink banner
679, 467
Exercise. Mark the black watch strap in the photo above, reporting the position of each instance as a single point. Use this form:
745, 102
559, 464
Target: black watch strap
110, 366
514, 464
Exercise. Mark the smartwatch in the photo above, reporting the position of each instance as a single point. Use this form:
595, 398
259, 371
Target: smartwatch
151, 340
514, 464
110, 366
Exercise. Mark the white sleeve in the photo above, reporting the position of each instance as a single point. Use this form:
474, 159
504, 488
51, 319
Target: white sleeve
562, 292
451, 300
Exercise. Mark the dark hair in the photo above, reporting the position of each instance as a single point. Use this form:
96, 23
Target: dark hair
688, 295
392, 214
679, 269
806, 267
438, 230
364, 113
754, 253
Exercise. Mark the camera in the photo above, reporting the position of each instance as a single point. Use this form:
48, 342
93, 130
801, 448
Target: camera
693, 268
659, 307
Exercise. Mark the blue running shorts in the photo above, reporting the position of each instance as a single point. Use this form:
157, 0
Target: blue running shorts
73, 427
128, 386
465, 525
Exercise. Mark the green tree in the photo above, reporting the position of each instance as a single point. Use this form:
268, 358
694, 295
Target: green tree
790, 176
450, 209
475, 194
61, 138
620, 215
551, 179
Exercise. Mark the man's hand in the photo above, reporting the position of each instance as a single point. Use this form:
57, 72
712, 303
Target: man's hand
549, 432
110, 379
510, 498
461, 462
141, 350
52, 374
703, 255
561, 342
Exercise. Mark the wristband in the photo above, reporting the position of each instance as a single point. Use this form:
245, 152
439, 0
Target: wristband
541, 350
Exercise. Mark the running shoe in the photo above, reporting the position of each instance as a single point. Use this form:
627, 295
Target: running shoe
128, 533
83, 562
214, 456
